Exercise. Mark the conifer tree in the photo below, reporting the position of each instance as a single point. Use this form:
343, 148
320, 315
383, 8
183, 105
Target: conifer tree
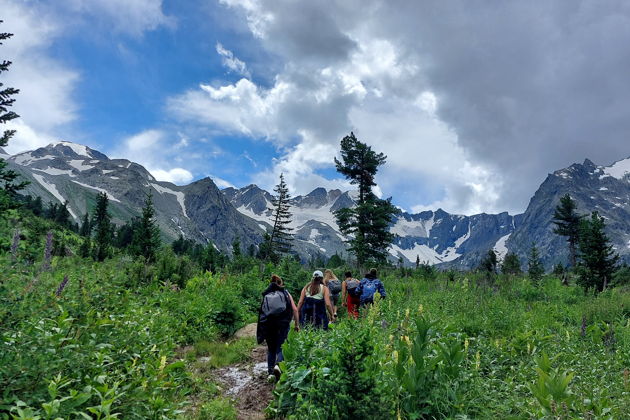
236, 248
489, 262
367, 224
511, 264
102, 228
598, 260
281, 236
567, 222
8, 178
86, 227
535, 268
417, 261
146, 237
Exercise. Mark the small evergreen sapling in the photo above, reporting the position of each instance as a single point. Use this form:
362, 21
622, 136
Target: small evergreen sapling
535, 268
567, 222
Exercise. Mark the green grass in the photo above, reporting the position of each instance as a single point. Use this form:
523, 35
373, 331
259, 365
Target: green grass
222, 354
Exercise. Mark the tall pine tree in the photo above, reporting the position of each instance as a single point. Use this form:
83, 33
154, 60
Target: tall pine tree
367, 224
8, 178
280, 237
598, 260
567, 222
102, 228
146, 237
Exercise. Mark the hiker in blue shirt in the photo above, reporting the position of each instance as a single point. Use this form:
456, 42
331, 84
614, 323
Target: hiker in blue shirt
369, 286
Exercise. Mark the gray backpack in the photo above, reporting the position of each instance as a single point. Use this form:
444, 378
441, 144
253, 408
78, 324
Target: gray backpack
334, 286
274, 303
352, 286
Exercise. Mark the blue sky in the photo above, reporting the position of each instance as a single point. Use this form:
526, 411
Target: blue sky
473, 106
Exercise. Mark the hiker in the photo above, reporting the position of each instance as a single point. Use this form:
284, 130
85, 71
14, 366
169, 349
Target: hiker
314, 302
370, 285
334, 287
350, 294
274, 319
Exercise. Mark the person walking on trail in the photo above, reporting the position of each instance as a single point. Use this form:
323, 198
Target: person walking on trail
274, 318
369, 286
315, 302
334, 287
350, 294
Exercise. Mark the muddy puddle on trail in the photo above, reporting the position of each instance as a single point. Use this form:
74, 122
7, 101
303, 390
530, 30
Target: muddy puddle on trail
246, 383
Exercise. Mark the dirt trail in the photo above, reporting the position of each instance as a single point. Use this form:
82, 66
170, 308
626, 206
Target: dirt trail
247, 384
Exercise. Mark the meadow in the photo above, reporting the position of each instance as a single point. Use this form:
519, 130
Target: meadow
119, 339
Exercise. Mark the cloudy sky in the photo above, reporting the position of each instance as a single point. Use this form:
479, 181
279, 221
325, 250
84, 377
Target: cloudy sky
473, 102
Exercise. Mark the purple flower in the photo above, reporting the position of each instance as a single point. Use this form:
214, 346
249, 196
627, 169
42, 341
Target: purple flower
15, 244
48, 251
62, 286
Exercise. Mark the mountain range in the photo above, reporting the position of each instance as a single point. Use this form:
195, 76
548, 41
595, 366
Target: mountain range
66, 171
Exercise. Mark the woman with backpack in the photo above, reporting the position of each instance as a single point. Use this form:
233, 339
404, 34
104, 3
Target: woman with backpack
314, 302
334, 287
369, 286
350, 294
274, 319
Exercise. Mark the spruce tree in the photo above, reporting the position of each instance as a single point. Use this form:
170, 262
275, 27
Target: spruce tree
489, 262
146, 237
8, 178
86, 227
367, 224
598, 260
236, 248
511, 264
567, 222
281, 236
535, 268
102, 228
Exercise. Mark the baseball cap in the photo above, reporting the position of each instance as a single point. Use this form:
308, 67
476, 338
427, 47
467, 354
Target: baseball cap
318, 273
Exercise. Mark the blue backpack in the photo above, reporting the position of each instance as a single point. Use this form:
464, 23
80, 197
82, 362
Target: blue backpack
368, 290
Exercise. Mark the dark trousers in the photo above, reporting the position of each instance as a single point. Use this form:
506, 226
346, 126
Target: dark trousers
276, 336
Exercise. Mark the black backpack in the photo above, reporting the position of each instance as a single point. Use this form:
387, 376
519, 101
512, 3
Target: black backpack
274, 304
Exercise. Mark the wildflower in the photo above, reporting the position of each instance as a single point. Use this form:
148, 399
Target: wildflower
496, 343
466, 344
477, 360
407, 313
62, 286
420, 308
406, 339
391, 337
395, 355
162, 363
529, 348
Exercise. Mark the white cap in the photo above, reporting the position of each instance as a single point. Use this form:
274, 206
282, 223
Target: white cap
318, 273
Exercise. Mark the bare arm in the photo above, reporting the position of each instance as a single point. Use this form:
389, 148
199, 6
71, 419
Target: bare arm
344, 291
301, 302
296, 314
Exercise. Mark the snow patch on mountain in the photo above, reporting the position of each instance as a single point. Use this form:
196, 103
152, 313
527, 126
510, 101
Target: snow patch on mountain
178, 194
111, 197
80, 165
52, 188
79, 149
55, 171
500, 247
618, 169
425, 253
419, 228
24, 159
463, 238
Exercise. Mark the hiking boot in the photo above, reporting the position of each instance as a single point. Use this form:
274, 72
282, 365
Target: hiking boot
271, 378
277, 372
